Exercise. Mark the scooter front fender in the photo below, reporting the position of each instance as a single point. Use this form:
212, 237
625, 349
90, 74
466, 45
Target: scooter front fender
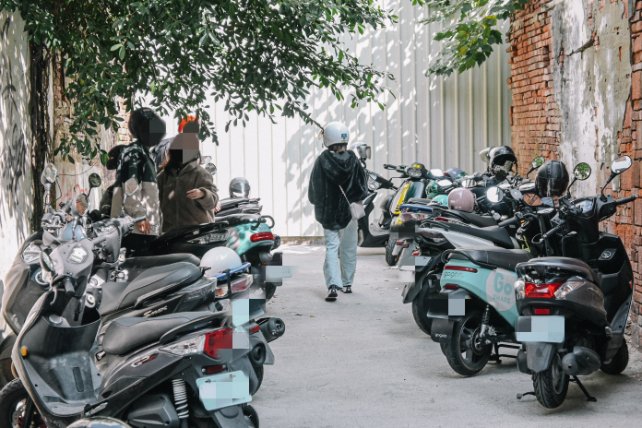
539, 355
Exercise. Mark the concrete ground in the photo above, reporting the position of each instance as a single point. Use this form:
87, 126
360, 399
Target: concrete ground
362, 362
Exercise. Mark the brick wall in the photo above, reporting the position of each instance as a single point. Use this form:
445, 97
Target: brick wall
536, 119
535, 116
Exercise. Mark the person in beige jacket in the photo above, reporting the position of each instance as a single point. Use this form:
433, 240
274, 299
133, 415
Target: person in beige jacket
188, 195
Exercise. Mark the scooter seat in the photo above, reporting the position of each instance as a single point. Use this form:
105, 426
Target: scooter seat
495, 234
472, 218
505, 259
568, 264
118, 295
128, 333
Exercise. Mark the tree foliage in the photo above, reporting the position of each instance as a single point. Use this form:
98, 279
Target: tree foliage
469, 32
261, 56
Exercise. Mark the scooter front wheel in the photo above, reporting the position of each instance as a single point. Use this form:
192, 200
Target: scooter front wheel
465, 351
391, 259
551, 385
17, 409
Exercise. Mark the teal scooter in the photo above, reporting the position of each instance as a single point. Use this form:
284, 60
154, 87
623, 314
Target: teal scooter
475, 314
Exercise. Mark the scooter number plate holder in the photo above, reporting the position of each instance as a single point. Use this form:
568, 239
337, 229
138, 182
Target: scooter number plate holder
541, 328
224, 390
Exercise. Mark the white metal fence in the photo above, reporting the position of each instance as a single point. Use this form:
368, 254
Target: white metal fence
440, 122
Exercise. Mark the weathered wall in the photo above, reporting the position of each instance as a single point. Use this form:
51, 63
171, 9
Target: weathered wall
585, 58
15, 170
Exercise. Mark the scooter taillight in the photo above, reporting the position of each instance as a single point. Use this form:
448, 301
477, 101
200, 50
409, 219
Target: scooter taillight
541, 291
416, 253
460, 268
217, 340
262, 236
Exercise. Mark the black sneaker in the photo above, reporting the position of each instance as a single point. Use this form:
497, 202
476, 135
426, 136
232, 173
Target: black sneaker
347, 289
332, 294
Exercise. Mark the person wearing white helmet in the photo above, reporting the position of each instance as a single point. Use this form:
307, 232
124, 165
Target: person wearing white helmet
337, 179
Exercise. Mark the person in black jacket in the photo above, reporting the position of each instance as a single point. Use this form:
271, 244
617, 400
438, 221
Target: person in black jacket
337, 179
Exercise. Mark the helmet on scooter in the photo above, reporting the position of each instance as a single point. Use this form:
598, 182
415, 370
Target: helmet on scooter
239, 187
552, 179
335, 133
501, 161
99, 423
220, 259
461, 199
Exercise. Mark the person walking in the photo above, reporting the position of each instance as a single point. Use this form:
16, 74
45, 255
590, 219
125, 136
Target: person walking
135, 192
337, 179
188, 195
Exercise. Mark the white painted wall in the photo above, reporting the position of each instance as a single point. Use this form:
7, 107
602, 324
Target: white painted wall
15, 171
439, 122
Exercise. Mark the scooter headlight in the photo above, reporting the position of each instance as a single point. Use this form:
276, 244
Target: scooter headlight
373, 184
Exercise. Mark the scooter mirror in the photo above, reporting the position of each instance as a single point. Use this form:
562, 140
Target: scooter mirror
582, 171
483, 154
211, 168
516, 194
94, 180
620, 165
362, 150
49, 174
206, 159
537, 162
494, 194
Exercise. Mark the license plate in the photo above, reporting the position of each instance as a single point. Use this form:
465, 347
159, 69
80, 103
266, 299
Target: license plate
407, 274
421, 261
213, 237
544, 328
224, 390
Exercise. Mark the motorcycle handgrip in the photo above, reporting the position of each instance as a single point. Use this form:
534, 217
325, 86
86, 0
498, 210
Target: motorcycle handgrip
553, 230
69, 286
626, 200
508, 222
388, 166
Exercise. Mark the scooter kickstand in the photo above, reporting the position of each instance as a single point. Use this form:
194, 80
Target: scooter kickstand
589, 397
522, 395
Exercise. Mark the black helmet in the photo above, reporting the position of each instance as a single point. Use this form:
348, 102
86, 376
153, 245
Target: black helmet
552, 179
239, 187
113, 155
99, 423
146, 126
501, 160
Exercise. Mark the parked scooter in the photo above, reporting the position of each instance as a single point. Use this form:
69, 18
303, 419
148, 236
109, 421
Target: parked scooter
573, 309
170, 370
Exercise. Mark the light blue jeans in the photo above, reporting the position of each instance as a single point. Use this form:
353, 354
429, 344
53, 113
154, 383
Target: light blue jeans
340, 255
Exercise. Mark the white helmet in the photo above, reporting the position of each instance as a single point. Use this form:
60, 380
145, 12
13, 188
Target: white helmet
461, 199
220, 259
335, 133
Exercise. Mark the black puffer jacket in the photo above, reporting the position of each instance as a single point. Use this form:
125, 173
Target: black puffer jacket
330, 171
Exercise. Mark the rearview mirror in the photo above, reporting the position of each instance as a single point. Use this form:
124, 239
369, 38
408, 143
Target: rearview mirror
210, 167
95, 180
494, 194
483, 154
620, 165
537, 162
582, 171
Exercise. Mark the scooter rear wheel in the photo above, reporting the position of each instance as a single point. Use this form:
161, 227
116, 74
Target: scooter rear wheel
465, 352
551, 385
14, 402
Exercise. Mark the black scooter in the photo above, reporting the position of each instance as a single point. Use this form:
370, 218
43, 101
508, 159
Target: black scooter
574, 308
175, 370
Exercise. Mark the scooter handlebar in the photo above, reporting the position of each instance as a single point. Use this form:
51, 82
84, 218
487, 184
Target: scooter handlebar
626, 200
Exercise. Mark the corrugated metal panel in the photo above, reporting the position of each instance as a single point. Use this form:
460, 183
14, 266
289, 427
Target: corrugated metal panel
440, 122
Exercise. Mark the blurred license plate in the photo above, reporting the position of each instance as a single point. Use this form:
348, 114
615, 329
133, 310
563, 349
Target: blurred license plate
407, 274
223, 390
217, 236
542, 328
421, 261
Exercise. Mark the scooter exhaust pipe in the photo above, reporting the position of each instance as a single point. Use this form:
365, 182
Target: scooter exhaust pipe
581, 361
272, 328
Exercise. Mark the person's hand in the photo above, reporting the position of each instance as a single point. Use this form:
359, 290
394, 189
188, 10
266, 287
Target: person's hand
144, 227
195, 194
218, 207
